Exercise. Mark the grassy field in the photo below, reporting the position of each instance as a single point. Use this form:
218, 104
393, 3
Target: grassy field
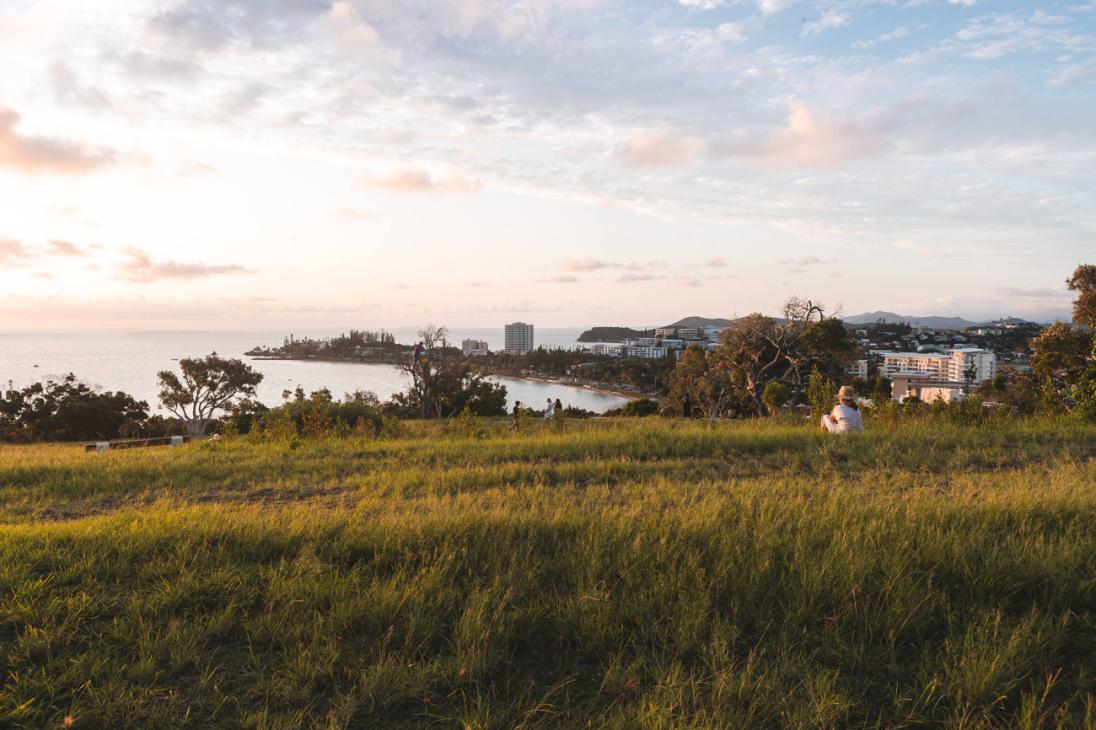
605, 573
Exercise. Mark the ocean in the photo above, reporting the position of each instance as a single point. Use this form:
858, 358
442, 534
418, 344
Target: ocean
129, 361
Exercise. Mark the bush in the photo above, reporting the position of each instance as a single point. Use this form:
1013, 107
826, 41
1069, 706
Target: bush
636, 408
774, 397
320, 415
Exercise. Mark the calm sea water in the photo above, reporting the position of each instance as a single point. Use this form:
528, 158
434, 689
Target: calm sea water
129, 361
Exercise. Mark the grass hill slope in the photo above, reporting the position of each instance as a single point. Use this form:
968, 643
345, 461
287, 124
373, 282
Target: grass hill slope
606, 573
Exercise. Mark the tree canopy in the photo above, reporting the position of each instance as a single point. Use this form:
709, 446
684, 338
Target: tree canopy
208, 384
68, 410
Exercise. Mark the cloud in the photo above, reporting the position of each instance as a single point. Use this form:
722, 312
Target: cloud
702, 4
13, 253
419, 182
353, 214
811, 140
1046, 293
45, 154
830, 19
632, 277
68, 89
772, 7
560, 279
718, 262
348, 28
141, 269
587, 264
807, 261
66, 249
141, 65
1077, 74
658, 149
211, 24
192, 168
901, 31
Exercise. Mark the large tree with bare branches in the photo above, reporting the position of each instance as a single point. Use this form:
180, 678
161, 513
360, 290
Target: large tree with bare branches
757, 350
444, 382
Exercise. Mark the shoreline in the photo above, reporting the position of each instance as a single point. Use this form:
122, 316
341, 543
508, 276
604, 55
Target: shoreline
604, 388
596, 388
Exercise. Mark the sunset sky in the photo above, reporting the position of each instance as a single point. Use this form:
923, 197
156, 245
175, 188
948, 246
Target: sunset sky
301, 163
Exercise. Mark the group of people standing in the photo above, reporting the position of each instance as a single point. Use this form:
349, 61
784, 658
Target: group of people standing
551, 409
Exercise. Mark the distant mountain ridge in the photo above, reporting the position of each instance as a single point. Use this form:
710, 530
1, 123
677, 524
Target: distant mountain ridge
702, 322
935, 322
932, 322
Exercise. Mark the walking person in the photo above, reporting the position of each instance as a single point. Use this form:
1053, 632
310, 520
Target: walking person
559, 407
549, 410
517, 414
844, 418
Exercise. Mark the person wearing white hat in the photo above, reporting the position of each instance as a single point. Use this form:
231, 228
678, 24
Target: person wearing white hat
844, 418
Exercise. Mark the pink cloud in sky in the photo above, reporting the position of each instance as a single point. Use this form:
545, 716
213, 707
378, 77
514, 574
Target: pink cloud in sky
812, 140
45, 154
12, 253
419, 182
662, 148
139, 268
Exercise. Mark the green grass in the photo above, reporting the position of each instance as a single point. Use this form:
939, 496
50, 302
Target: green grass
608, 573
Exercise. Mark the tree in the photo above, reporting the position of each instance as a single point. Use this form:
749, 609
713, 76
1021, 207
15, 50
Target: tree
1061, 353
208, 384
699, 380
1086, 389
1084, 307
68, 410
761, 349
820, 393
444, 382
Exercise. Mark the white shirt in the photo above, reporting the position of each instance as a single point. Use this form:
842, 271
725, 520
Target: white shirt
848, 419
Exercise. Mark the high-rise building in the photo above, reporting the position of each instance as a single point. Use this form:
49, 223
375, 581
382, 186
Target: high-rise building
519, 337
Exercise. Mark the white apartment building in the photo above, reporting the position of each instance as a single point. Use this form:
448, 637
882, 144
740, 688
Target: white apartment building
690, 333
964, 364
603, 349
972, 364
858, 369
518, 337
647, 352
474, 348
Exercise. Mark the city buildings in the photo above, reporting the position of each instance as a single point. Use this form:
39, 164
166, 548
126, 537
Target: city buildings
962, 364
474, 348
518, 338
932, 376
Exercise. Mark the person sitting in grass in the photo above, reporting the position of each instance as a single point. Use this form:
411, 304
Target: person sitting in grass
844, 418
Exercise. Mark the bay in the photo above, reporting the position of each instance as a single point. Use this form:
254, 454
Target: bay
129, 361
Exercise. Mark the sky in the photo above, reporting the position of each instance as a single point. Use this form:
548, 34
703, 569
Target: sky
286, 164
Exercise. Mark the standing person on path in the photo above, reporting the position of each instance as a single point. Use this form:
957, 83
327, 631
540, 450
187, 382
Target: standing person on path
844, 418
517, 414
559, 407
550, 410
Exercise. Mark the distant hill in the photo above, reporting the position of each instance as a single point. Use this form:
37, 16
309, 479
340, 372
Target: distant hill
609, 334
702, 322
932, 322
